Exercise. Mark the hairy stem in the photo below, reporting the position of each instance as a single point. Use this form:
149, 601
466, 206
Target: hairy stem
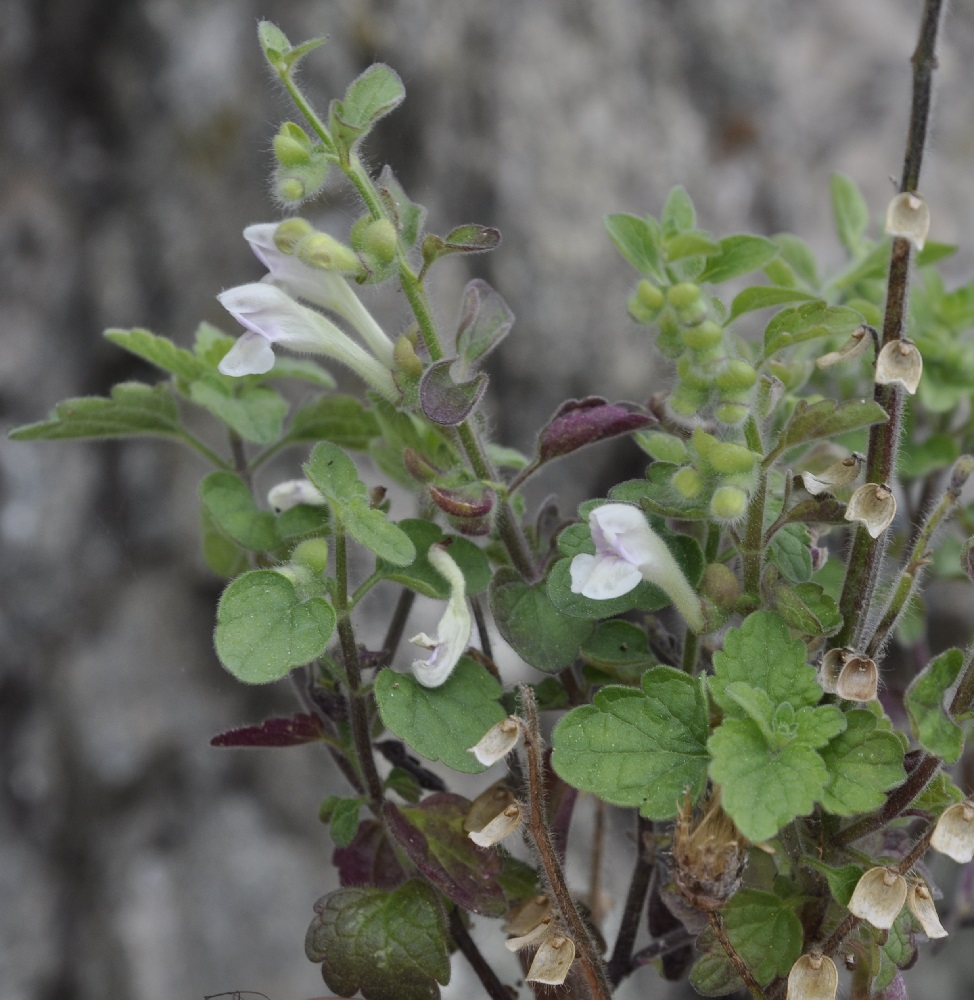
740, 966
397, 624
587, 955
495, 989
620, 964
884, 439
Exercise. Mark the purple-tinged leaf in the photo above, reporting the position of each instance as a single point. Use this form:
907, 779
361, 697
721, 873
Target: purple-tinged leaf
447, 402
369, 859
433, 837
300, 728
580, 422
464, 239
896, 989
485, 320
419, 467
468, 508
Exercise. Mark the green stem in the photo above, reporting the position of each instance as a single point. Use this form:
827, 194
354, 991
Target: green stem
963, 698
358, 706
198, 446
752, 550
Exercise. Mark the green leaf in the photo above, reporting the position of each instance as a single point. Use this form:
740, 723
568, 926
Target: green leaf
133, 409
211, 344
762, 653
762, 788
790, 551
422, 577
230, 505
864, 762
842, 881
692, 244
343, 823
255, 412
223, 556
405, 213
764, 296
159, 351
924, 701
678, 213
798, 255
334, 474
807, 608
370, 96
441, 723
637, 748
811, 321
618, 647
638, 241
538, 632
826, 418
738, 255
264, 629
764, 930
370, 527
919, 458
850, 212
302, 369
389, 945
433, 837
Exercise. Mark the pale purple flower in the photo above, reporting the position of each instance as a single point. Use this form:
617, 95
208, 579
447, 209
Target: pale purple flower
271, 316
628, 551
453, 634
325, 289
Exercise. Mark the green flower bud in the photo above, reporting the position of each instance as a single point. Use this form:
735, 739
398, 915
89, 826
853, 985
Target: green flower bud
731, 414
662, 447
686, 402
292, 147
325, 253
684, 295
650, 296
704, 336
737, 376
704, 443
792, 375
731, 459
668, 340
290, 233
690, 375
290, 189
687, 482
405, 357
720, 585
378, 240
313, 554
728, 503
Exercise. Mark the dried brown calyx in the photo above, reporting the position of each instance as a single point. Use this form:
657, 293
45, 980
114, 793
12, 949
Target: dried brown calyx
709, 854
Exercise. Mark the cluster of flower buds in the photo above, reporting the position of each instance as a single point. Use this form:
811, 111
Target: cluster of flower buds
707, 374
849, 675
534, 924
302, 165
718, 473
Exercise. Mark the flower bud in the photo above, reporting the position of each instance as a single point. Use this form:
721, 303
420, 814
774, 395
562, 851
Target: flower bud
900, 363
650, 296
290, 189
690, 375
728, 503
687, 482
720, 585
405, 358
732, 459
839, 474
873, 506
290, 233
292, 147
703, 337
731, 414
312, 553
737, 376
921, 905
686, 402
293, 492
662, 447
684, 295
325, 253
376, 240
813, 977
908, 217
954, 833
553, 961
497, 742
858, 679
878, 897
854, 347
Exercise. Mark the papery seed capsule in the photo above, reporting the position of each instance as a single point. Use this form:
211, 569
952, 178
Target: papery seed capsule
813, 977
501, 826
497, 742
908, 217
858, 679
954, 833
832, 664
527, 915
854, 347
873, 506
553, 960
900, 363
878, 897
921, 905
839, 474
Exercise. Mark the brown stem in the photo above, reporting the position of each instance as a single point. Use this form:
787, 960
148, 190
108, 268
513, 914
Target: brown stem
397, 624
621, 962
739, 965
595, 865
496, 990
591, 967
477, 603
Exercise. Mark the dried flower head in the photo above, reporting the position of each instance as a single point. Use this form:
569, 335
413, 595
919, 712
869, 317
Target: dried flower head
954, 833
858, 679
708, 856
853, 348
813, 977
878, 897
908, 217
534, 935
487, 805
920, 901
873, 506
501, 826
497, 742
553, 960
900, 363
832, 664
839, 474
527, 915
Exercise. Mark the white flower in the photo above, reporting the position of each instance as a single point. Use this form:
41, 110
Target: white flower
453, 634
627, 551
271, 316
325, 289
293, 492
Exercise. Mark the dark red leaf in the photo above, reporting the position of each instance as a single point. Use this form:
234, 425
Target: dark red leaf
580, 422
291, 732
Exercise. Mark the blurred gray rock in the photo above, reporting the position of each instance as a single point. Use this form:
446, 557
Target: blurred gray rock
134, 860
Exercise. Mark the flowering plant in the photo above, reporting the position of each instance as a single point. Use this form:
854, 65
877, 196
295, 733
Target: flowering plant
712, 632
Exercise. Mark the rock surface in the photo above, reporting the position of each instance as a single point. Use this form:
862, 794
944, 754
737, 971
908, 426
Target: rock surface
135, 861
